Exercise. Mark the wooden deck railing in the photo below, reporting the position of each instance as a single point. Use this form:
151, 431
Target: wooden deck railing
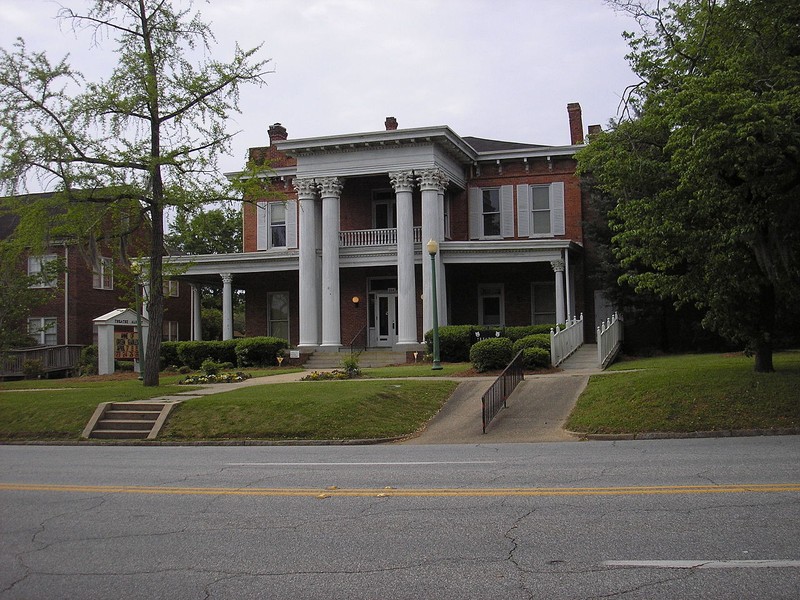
47, 359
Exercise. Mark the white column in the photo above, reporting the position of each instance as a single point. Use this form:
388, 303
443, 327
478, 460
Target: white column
309, 282
561, 308
441, 275
432, 183
197, 324
403, 183
330, 189
227, 306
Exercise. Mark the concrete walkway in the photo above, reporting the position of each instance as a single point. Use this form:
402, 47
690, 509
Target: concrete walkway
536, 410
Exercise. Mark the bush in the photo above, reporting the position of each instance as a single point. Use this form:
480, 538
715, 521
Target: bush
32, 368
539, 340
350, 366
259, 351
535, 358
494, 353
169, 355
192, 354
518, 332
454, 342
209, 367
87, 363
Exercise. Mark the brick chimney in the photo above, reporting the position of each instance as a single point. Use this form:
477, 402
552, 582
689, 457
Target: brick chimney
391, 123
575, 123
594, 130
277, 133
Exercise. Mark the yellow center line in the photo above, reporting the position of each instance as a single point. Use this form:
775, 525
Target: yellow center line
410, 492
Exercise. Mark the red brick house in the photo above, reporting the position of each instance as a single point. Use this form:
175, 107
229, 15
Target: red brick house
341, 260
84, 292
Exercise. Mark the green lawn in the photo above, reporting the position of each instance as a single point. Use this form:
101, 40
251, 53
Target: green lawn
418, 370
690, 393
327, 410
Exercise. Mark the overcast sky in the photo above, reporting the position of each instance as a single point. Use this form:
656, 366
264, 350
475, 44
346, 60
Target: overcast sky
499, 69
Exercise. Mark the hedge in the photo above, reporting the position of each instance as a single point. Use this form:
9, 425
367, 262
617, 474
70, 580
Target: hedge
259, 351
538, 340
535, 358
494, 353
455, 341
192, 354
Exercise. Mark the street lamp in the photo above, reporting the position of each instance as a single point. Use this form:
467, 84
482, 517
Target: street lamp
433, 248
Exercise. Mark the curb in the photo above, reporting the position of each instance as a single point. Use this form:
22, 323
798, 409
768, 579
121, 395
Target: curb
357, 442
683, 435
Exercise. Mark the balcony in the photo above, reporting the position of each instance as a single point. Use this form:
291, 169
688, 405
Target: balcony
373, 237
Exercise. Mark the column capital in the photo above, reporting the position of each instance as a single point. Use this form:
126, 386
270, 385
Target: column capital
226, 277
402, 181
557, 265
306, 189
330, 187
432, 180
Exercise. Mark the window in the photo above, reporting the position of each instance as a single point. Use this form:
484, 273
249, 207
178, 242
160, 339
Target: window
491, 212
384, 210
103, 274
169, 331
543, 303
277, 225
540, 210
490, 304
278, 315
43, 330
171, 288
37, 266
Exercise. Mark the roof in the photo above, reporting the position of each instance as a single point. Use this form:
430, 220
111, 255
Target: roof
485, 145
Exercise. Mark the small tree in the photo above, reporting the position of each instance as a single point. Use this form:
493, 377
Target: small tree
126, 148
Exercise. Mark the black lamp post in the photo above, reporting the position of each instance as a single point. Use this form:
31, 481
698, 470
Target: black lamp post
433, 248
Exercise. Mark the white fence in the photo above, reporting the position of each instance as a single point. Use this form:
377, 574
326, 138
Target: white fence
609, 340
373, 237
564, 342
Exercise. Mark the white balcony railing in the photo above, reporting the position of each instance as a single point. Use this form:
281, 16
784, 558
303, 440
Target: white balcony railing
373, 237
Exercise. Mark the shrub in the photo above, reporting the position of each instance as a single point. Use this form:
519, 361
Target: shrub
494, 353
259, 351
535, 358
209, 367
454, 342
539, 340
350, 366
32, 368
169, 355
518, 332
87, 363
192, 354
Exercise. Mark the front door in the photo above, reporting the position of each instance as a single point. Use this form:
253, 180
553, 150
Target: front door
385, 319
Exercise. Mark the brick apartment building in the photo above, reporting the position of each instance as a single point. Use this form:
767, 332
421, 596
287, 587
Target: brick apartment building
341, 259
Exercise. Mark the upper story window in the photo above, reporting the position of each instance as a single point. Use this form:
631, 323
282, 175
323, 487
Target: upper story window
277, 224
171, 288
37, 266
491, 212
103, 274
540, 210
384, 210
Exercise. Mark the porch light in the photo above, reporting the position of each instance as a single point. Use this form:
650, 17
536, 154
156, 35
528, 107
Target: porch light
356, 300
433, 248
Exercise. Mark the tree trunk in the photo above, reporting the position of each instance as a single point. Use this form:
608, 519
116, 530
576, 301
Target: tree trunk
155, 304
767, 326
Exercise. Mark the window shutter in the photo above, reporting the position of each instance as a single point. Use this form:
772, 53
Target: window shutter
97, 280
475, 213
291, 223
523, 211
557, 208
261, 226
507, 211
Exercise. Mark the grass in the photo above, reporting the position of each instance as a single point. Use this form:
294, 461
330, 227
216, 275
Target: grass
311, 410
58, 409
691, 393
418, 370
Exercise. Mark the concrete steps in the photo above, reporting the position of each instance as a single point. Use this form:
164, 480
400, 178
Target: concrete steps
325, 361
127, 420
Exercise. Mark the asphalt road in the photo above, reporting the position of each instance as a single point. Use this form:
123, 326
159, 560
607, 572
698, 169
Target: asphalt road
713, 518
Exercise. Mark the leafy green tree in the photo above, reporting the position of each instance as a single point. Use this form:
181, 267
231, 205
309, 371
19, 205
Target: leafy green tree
20, 294
128, 147
705, 168
213, 231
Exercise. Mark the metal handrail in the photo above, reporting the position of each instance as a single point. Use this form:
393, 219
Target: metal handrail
495, 397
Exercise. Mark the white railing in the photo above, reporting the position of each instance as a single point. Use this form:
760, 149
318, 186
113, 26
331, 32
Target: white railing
564, 342
609, 340
373, 237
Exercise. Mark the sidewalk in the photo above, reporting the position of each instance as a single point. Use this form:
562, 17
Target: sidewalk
536, 410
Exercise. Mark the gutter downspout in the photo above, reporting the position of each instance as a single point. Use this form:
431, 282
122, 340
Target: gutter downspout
66, 294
